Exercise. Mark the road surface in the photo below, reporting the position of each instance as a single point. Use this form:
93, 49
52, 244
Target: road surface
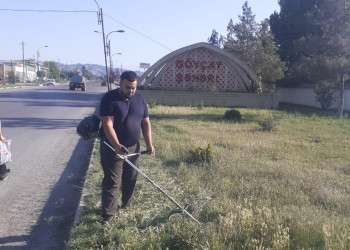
39, 199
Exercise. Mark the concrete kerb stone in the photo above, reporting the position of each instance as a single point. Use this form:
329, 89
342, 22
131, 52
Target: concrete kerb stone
19, 86
84, 193
30, 85
15, 87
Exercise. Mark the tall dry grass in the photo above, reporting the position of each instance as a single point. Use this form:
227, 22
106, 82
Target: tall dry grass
284, 189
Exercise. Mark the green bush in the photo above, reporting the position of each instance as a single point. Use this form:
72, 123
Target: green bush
269, 122
199, 154
233, 114
324, 94
12, 78
152, 103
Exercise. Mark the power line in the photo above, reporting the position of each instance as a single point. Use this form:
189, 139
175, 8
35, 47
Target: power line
74, 11
90, 11
138, 32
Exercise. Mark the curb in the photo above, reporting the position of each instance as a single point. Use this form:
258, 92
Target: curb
15, 87
83, 193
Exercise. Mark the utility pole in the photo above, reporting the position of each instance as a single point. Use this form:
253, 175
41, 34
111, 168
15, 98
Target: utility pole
100, 21
104, 47
110, 62
24, 80
109, 52
37, 59
13, 73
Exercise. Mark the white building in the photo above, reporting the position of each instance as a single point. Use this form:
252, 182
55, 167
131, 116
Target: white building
16, 66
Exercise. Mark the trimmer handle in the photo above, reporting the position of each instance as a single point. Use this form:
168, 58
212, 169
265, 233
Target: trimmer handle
124, 150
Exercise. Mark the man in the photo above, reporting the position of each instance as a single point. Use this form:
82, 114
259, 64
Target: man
124, 115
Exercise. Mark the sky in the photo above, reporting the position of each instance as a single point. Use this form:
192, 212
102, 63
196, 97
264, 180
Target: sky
153, 28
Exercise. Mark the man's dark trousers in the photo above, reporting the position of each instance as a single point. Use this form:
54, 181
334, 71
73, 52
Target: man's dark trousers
117, 173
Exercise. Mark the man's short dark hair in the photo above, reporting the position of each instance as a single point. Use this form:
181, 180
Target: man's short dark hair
129, 75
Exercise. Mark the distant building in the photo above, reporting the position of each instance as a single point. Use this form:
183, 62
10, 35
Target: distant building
16, 66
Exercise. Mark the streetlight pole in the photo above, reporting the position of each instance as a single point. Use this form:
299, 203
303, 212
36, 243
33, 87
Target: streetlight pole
24, 78
109, 52
107, 49
100, 21
111, 62
37, 59
104, 45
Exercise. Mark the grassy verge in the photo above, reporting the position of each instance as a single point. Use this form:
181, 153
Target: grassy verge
284, 189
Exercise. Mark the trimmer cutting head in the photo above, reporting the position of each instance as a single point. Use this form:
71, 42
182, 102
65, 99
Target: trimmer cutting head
178, 211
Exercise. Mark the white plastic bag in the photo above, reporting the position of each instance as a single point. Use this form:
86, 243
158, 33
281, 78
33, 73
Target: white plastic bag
5, 152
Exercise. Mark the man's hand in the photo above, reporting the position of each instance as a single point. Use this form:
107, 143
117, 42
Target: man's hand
118, 149
151, 150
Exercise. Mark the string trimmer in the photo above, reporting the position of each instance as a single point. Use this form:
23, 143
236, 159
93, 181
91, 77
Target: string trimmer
179, 209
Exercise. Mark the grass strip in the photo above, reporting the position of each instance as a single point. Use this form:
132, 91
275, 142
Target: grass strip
282, 189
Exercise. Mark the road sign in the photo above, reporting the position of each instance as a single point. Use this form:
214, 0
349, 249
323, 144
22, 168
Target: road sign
145, 65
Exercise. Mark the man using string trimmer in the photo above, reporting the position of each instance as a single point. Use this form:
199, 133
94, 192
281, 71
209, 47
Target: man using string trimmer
123, 114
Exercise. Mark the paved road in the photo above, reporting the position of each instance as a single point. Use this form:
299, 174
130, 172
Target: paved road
38, 200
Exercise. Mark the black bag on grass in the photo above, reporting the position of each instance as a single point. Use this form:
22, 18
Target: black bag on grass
88, 126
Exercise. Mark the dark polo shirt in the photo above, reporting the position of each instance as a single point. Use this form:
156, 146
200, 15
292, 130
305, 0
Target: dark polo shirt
127, 115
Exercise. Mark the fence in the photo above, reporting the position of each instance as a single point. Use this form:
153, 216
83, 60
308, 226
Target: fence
306, 96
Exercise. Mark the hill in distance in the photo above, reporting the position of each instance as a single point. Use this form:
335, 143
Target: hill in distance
95, 69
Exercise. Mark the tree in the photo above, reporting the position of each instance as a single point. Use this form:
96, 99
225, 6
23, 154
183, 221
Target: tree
314, 38
41, 73
53, 69
11, 77
241, 37
84, 70
288, 26
268, 64
215, 40
254, 44
63, 74
86, 73
324, 94
325, 54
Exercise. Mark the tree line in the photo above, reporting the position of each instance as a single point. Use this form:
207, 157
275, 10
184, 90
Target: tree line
307, 41
57, 74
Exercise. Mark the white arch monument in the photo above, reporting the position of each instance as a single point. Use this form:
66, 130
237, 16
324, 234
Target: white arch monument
199, 67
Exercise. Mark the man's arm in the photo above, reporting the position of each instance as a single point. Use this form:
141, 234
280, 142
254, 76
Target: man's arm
107, 124
147, 135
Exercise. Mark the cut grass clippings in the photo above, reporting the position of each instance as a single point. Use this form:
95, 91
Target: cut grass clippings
282, 189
